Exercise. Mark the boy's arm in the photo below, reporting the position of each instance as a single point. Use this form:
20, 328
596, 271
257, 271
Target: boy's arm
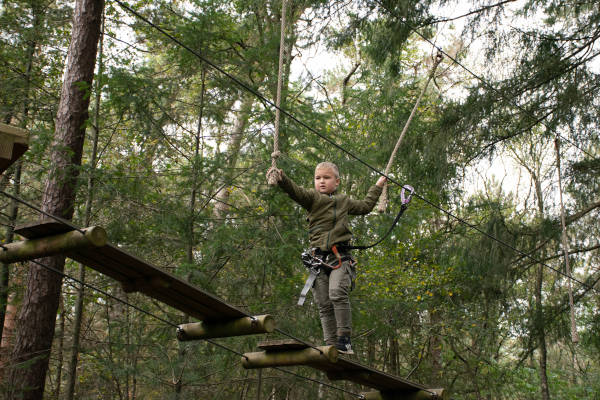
360, 207
297, 193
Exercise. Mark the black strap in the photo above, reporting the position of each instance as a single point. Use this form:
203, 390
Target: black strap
403, 208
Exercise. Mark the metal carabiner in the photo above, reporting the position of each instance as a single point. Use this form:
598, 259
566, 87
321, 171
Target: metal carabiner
411, 191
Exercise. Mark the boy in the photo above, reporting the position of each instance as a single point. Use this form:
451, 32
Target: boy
328, 234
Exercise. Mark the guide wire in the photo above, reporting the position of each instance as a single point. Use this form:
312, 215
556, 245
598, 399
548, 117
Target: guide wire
47, 214
330, 141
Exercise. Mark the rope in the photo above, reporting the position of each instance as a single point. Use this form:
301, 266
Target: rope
272, 175
565, 245
383, 199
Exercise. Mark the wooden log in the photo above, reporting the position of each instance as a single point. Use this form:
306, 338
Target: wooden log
307, 356
429, 394
94, 236
227, 328
13, 143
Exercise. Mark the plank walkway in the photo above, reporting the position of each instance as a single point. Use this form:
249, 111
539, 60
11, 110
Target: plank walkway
216, 315
344, 368
135, 274
13, 143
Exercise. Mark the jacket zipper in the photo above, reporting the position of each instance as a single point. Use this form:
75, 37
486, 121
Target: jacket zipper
334, 217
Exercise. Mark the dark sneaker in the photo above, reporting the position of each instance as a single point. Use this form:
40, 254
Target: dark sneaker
343, 345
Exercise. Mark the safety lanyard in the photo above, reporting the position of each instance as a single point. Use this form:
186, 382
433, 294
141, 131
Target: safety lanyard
405, 200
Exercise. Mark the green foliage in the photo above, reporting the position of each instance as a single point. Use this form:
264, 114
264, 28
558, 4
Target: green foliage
437, 300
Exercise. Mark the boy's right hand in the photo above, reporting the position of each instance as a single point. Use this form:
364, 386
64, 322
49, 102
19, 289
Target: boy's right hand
274, 175
381, 181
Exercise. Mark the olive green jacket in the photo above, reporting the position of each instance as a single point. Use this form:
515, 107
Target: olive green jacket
328, 214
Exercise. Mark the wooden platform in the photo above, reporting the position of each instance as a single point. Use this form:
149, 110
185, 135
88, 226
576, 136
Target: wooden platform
135, 274
347, 369
13, 143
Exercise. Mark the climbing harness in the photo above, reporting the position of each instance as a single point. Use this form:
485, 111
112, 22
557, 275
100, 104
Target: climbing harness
314, 259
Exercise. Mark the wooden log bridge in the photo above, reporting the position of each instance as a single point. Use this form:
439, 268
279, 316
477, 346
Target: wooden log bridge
290, 352
91, 248
13, 143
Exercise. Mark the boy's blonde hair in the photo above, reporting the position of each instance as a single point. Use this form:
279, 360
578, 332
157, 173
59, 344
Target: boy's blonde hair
328, 165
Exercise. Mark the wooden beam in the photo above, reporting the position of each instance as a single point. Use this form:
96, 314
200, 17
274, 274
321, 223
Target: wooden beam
13, 143
227, 328
349, 375
429, 394
308, 356
282, 345
145, 284
94, 236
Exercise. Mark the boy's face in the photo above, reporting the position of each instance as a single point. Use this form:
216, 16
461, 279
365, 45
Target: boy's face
325, 181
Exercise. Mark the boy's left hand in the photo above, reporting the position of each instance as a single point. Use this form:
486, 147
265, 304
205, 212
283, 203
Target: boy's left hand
381, 181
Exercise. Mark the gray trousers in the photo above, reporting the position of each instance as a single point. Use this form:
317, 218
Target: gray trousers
331, 293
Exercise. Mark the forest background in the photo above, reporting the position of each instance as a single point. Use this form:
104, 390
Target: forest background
174, 162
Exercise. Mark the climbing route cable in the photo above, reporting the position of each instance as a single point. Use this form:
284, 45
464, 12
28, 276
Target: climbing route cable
336, 145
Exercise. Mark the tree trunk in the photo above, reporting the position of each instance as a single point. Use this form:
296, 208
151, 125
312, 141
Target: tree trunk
195, 171
233, 150
4, 271
539, 314
79, 305
541, 333
59, 352
38, 313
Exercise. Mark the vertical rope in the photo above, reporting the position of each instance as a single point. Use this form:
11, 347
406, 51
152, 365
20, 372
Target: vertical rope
565, 245
272, 175
383, 199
